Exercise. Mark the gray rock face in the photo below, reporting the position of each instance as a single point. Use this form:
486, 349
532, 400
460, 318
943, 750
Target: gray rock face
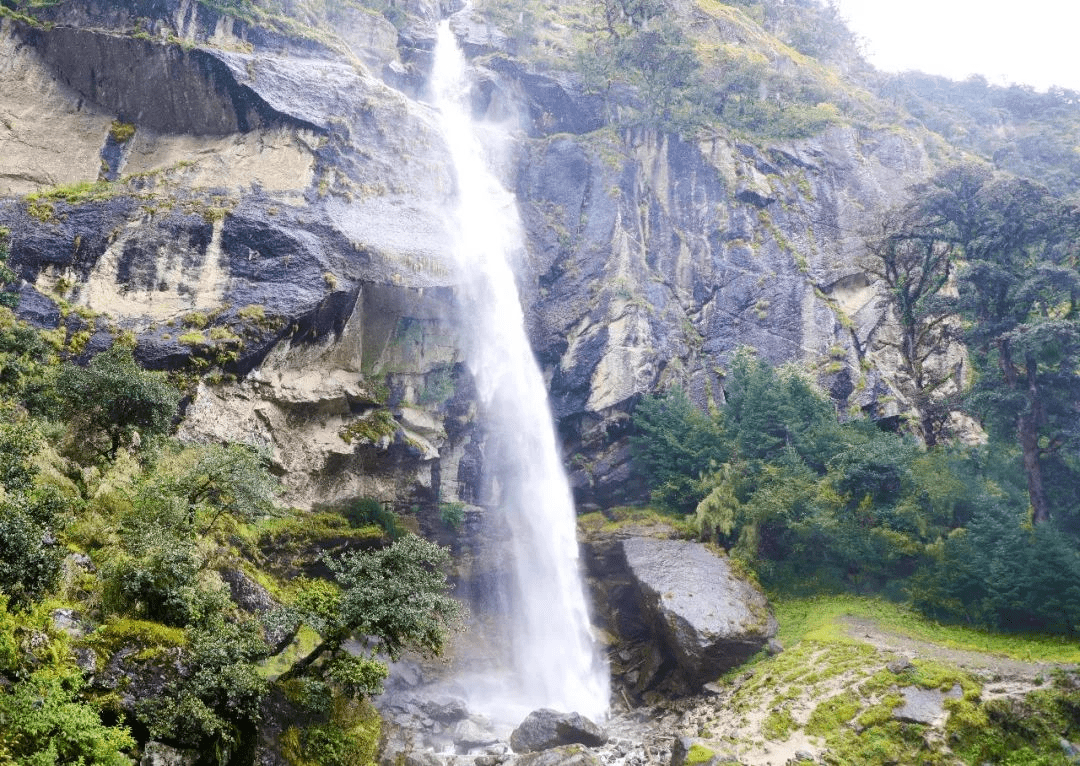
926, 706
545, 728
708, 619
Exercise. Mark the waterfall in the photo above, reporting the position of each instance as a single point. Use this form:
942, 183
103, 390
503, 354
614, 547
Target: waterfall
545, 656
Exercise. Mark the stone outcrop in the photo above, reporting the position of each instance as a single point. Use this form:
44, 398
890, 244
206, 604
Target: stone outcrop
544, 729
708, 618
297, 173
679, 613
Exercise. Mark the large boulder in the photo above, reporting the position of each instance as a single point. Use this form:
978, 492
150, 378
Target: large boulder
545, 728
706, 617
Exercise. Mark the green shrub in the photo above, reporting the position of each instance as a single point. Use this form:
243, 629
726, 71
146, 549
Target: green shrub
365, 511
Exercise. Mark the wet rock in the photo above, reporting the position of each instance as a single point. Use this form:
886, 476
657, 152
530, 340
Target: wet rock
545, 728
85, 659
70, 621
160, 754
246, 593
469, 733
925, 706
707, 618
565, 755
447, 711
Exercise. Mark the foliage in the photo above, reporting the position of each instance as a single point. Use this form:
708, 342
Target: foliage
8, 278
43, 719
452, 514
674, 445
998, 572
29, 558
232, 479
111, 398
396, 594
215, 704
364, 511
810, 503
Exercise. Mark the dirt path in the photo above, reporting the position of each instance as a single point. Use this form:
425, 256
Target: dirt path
985, 664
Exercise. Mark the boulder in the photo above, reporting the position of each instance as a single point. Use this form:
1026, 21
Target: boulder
925, 706
706, 618
545, 728
159, 754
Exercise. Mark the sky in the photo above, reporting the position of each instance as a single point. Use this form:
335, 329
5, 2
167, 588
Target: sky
1029, 42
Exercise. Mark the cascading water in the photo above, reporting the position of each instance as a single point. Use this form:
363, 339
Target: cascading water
546, 656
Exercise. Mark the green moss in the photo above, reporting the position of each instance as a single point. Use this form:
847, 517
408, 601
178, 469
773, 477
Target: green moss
612, 519
378, 425
882, 712
778, 725
699, 754
195, 319
831, 714
121, 132
350, 738
148, 637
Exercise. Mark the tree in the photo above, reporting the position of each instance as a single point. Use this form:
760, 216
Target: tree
914, 259
1020, 291
227, 479
29, 562
397, 595
674, 445
112, 398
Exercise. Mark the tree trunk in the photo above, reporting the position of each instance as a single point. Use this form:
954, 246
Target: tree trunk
1029, 445
1029, 425
1027, 428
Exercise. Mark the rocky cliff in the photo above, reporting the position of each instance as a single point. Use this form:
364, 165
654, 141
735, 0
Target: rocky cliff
259, 198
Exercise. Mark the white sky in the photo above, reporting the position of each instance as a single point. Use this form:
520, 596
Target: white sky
1031, 42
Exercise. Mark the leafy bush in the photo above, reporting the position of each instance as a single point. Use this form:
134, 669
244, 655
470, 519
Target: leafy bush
43, 717
365, 511
112, 398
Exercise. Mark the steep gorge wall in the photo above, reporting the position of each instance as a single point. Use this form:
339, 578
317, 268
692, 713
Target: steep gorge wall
281, 221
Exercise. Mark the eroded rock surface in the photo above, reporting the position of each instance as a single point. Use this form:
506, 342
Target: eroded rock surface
708, 618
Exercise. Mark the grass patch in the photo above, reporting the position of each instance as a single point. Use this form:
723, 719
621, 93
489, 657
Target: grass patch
818, 618
612, 519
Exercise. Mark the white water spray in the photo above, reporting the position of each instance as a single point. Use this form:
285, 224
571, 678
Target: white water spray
548, 657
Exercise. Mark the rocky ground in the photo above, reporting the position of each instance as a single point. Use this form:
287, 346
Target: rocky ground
809, 704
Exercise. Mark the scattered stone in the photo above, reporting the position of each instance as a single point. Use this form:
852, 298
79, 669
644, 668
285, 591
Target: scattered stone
680, 749
545, 728
804, 756
70, 621
246, 593
900, 665
85, 659
80, 560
